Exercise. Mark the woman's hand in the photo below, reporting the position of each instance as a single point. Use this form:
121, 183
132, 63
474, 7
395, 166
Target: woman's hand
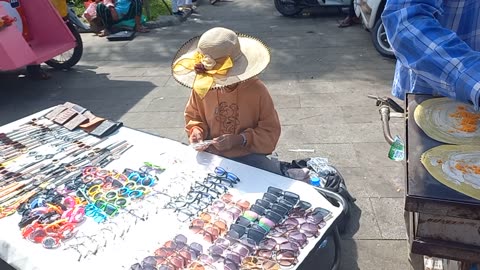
227, 142
196, 136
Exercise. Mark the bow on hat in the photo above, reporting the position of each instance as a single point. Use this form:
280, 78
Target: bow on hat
206, 69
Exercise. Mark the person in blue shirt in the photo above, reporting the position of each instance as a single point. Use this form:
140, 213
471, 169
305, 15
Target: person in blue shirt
437, 45
111, 13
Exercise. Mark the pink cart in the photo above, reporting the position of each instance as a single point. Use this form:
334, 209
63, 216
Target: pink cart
48, 34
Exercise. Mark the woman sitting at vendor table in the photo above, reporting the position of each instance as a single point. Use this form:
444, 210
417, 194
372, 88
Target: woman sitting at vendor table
111, 12
229, 104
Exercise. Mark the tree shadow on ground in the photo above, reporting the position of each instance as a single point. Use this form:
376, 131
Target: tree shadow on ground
96, 92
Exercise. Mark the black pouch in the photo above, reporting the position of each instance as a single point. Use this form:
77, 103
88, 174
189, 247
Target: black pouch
122, 35
106, 128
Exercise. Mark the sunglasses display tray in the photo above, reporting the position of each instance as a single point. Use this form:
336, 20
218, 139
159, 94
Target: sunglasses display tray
137, 233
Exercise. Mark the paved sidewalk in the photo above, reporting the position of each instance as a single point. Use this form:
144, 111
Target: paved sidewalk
319, 77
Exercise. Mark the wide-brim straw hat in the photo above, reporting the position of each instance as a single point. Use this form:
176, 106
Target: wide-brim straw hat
249, 57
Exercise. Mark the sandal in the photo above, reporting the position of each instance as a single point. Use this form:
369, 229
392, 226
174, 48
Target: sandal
104, 33
37, 73
349, 21
346, 22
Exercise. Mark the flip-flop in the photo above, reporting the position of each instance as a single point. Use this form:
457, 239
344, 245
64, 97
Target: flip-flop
39, 75
345, 23
103, 33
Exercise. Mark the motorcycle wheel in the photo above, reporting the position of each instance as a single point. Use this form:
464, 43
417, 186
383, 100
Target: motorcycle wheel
380, 42
69, 58
287, 9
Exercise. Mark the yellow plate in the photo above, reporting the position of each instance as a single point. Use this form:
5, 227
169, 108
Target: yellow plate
446, 163
433, 116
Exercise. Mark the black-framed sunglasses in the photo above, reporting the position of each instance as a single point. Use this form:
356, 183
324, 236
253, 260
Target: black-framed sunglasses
238, 232
218, 186
219, 171
198, 195
272, 198
275, 207
204, 187
270, 214
220, 179
293, 198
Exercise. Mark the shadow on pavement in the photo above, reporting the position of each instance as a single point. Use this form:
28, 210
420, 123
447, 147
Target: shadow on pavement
94, 91
5, 266
323, 259
349, 247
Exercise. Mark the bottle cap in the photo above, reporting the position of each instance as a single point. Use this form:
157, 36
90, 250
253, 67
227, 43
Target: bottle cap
315, 181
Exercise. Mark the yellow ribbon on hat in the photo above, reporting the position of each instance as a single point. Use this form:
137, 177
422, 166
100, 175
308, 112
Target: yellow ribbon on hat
205, 68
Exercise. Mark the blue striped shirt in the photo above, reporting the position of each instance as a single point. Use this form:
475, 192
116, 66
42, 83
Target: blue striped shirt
437, 45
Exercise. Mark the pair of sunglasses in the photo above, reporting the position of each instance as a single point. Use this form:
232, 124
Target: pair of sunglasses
141, 178
281, 250
254, 233
291, 197
150, 168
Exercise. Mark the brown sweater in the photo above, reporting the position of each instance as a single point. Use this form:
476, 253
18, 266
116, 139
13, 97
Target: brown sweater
248, 109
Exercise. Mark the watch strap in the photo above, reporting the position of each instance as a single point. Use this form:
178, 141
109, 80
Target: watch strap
55, 112
106, 128
65, 116
75, 122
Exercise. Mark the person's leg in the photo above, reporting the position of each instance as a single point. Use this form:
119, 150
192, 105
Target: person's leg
261, 162
105, 15
351, 17
135, 12
35, 72
175, 5
351, 10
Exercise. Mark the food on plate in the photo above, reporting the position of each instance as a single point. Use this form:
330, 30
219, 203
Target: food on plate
449, 121
456, 166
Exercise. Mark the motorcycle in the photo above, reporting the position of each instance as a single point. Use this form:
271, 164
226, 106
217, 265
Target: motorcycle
370, 11
290, 8
70, 58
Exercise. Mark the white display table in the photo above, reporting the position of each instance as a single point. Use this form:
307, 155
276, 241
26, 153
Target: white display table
145, 236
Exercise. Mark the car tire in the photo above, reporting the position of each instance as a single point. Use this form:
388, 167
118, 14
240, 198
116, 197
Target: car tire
379, 39
287, 10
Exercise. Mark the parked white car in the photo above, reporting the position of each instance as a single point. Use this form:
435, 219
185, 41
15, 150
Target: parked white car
370, 12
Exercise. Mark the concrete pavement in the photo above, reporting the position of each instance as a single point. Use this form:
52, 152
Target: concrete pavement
319, 78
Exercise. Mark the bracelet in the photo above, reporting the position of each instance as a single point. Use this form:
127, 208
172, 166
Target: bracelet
244, 139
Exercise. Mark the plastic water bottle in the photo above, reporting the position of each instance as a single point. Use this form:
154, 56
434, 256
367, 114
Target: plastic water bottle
315, 181
323, 244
